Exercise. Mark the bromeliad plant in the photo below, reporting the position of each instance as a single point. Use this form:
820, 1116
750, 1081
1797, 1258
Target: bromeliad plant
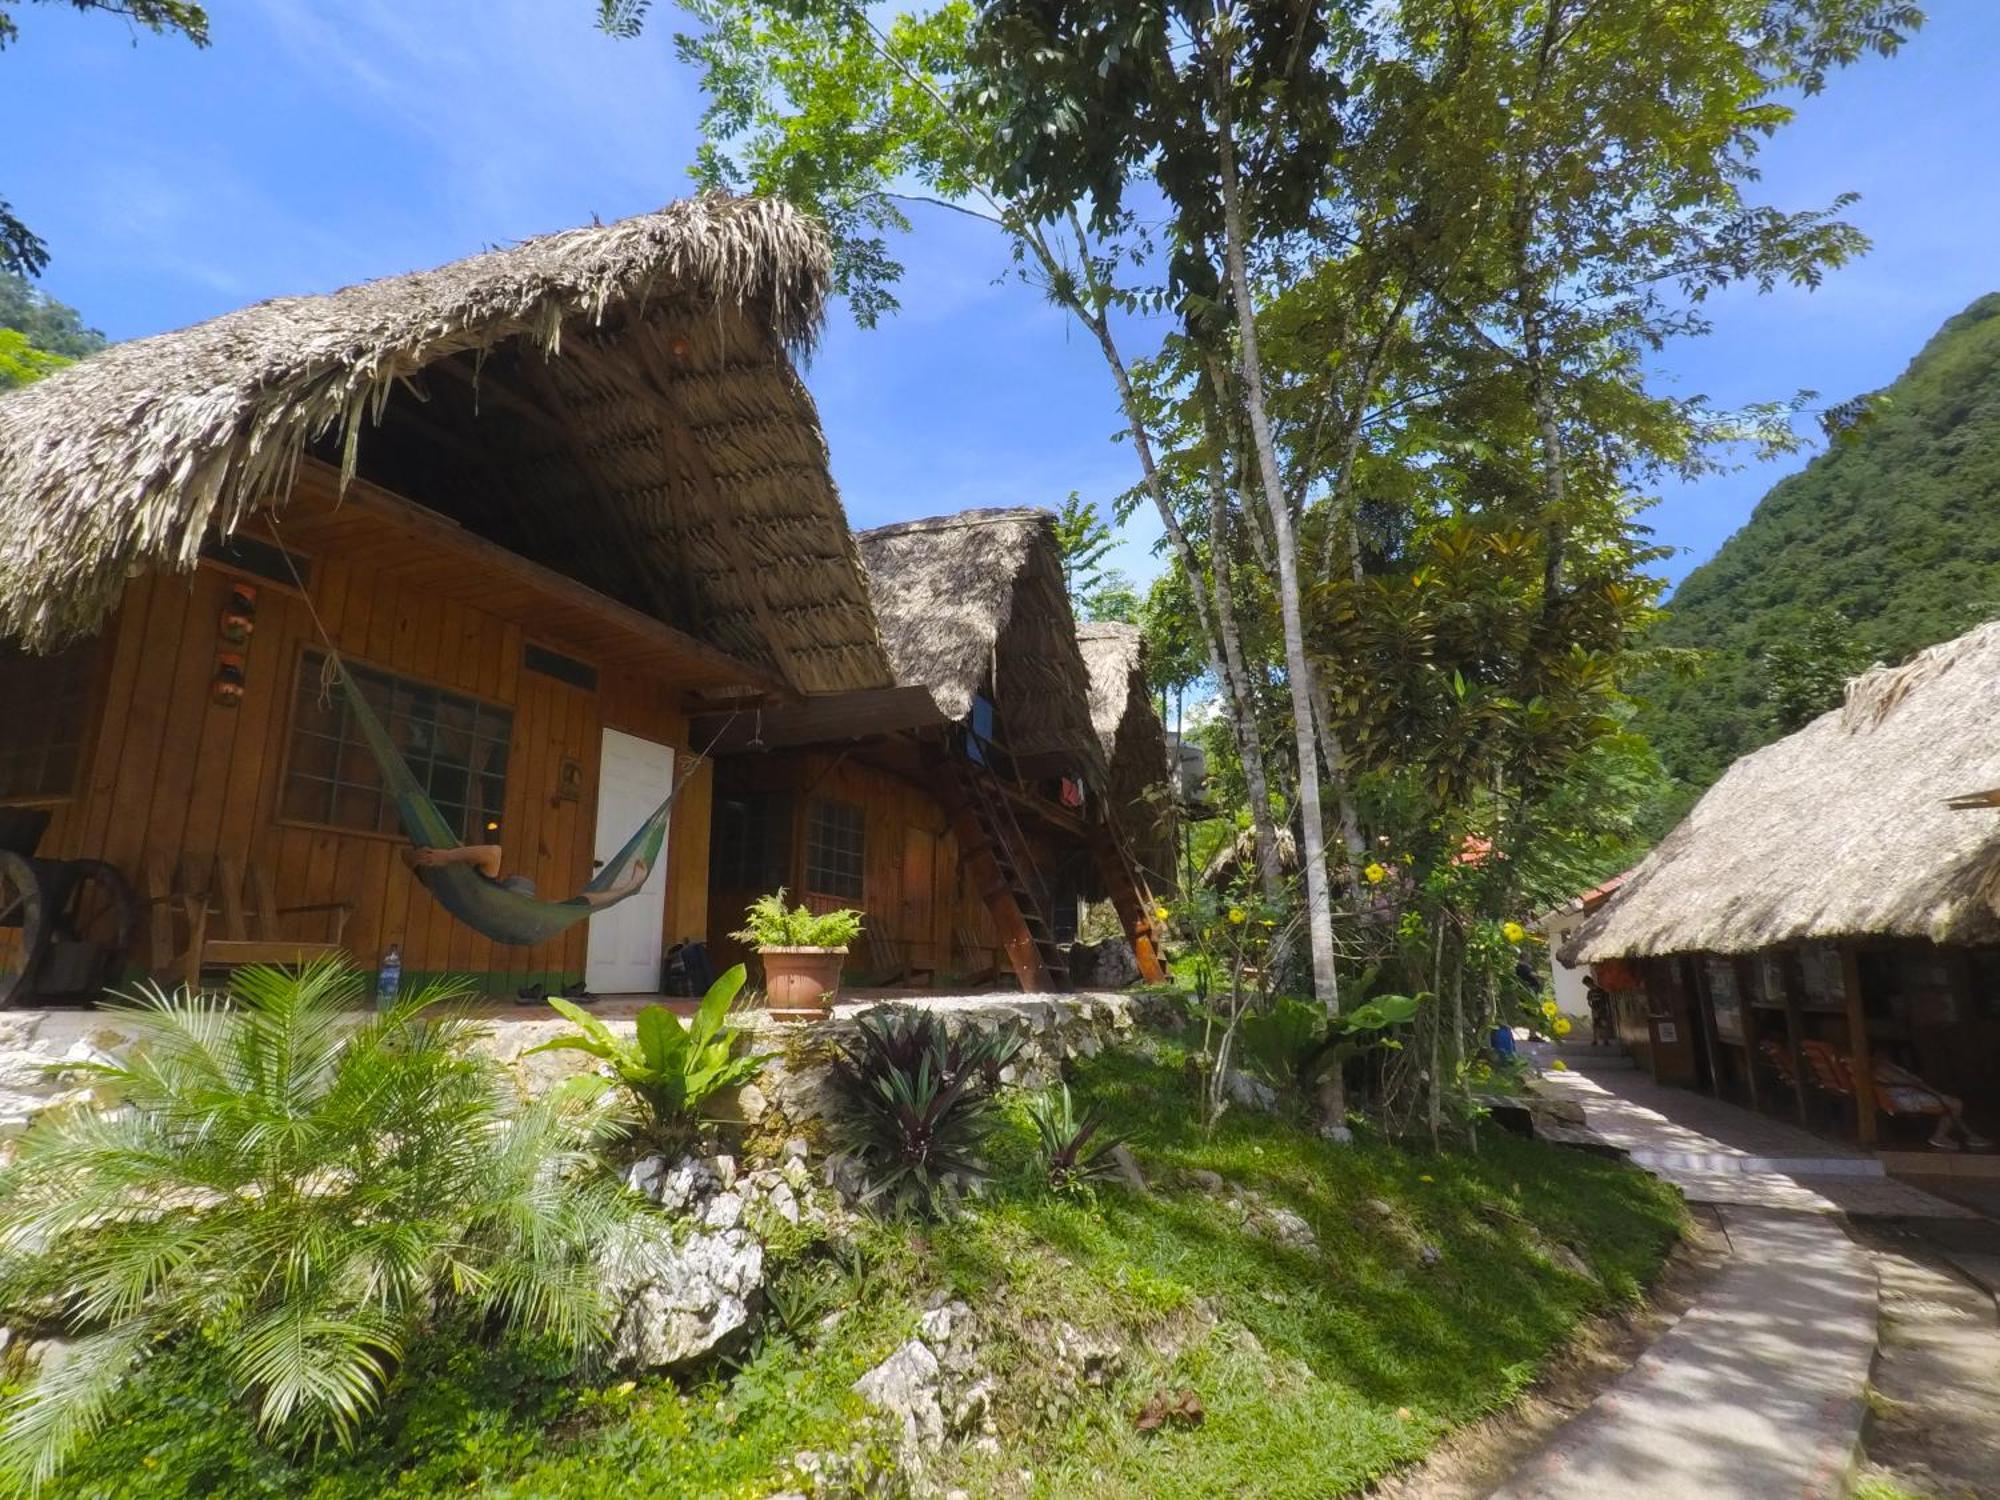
1073, 1152
916, 1106
671, 1068
307, 1187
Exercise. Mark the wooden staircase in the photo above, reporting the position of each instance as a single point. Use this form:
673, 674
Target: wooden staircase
1131, 897
994, 849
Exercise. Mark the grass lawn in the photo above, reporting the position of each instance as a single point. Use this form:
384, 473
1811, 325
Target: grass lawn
1319, 1370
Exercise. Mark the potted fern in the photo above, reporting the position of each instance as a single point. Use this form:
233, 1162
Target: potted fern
802, 951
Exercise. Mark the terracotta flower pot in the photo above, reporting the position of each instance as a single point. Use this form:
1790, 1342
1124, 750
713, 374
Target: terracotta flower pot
802, 981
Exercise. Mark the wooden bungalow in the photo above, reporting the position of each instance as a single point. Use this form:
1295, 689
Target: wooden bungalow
963, 810
1139, 778
1825, 911
548, 503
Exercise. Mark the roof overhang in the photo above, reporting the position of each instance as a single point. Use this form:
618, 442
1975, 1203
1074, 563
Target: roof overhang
371, 527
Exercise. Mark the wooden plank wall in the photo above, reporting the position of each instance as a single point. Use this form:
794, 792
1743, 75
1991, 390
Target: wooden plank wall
172, 773
893, 805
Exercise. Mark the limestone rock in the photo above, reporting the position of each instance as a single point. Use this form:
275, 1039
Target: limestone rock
1107, 965
906, 1386
679, 1300
1287, 1228
1250, 1092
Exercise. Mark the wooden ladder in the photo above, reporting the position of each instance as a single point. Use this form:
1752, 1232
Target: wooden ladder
1131, 897
993, 847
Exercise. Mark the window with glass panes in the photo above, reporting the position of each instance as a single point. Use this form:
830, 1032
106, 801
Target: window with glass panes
834, 845
749, 841
455, 746
44, 701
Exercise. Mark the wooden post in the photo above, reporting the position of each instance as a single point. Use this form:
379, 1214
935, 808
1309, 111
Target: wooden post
1694, 973
1859, 1059
1795, 1031
1746, 1021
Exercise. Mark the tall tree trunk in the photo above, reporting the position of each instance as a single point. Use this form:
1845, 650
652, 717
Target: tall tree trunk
1250, 739
1336, 765
1312, 853
1219, 628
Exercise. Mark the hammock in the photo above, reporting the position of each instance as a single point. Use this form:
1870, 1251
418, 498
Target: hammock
487, 907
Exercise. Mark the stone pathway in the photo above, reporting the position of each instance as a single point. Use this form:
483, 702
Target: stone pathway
1757, 1391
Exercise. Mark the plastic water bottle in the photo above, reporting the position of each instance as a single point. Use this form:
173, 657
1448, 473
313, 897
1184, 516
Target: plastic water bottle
389, 979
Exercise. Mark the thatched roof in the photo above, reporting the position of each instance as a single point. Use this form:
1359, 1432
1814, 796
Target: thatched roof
975, 604
614, 401
1838, 831
1140, 781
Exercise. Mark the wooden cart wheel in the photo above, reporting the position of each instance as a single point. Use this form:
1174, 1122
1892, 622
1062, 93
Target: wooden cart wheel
23, 928
103, 914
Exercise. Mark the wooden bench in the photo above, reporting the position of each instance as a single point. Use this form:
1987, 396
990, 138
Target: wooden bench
981, 963
893, 962
223, 893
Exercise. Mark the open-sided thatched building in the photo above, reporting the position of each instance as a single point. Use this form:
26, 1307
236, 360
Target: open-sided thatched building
1825, 892
965, 810
548, 501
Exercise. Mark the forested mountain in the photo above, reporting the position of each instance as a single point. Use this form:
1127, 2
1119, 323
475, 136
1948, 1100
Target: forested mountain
1885, 543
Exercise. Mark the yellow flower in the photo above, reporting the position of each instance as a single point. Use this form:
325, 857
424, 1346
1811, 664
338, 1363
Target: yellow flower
1375, 874
1559, 1066
1549, 1009
1513, 932
1159, 914
1425, 1177
1238, 916
1562, 1026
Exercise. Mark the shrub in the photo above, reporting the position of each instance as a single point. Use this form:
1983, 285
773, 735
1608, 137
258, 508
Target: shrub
1293, 1041
769, 923
671, 1068
1073, 1153
916, 1105
307, 1186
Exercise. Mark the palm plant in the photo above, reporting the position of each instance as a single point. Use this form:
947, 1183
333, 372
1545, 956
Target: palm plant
670, 1068
306, 1186
916, 1105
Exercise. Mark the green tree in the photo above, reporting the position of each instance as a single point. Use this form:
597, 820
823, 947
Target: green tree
855, 117
1086, 540
37, 333
22, 252
1805, 673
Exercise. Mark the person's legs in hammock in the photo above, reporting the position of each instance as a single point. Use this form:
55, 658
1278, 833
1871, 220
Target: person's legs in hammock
619, 890
485, 858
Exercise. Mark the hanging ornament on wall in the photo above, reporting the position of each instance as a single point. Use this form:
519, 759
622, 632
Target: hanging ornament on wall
239, 615
225, 689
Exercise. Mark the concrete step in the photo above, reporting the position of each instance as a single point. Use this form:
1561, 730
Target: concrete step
1730, 1161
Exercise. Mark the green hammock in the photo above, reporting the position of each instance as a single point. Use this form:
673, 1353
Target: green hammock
487, 907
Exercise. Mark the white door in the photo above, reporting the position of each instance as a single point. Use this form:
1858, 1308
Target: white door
633, 778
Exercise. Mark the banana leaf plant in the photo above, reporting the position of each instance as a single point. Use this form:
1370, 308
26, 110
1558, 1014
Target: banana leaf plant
671, 1067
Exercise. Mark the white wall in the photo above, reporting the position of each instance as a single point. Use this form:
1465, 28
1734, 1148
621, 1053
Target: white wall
1569, 983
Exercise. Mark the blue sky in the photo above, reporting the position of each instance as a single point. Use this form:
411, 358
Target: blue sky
320, 142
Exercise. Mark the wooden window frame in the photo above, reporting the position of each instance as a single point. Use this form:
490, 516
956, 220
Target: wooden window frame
98, 674
398, 836
806, 840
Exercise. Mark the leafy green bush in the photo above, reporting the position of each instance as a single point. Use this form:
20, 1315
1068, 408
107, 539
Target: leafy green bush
769, 923
1292, 1041
308, 1186
671, 1068
916, 1105
1072, 1152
